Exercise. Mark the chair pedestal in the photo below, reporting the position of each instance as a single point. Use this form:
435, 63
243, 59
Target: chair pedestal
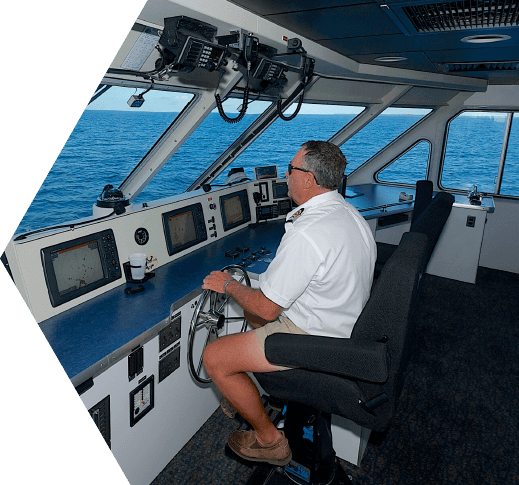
309, 434
308, 431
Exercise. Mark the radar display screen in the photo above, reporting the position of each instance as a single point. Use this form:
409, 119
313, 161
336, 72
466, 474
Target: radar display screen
279, 190
235, 209
184, 228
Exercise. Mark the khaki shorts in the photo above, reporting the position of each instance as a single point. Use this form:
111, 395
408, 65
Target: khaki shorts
280, 325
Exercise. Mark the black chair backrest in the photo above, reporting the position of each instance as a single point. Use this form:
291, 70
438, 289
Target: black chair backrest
432, 220
387, 316
423, 197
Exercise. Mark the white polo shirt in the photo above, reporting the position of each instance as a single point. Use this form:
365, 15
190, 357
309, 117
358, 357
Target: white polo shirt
323, 269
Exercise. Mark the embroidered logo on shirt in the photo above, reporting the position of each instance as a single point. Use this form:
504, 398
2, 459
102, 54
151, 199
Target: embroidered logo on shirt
296, 215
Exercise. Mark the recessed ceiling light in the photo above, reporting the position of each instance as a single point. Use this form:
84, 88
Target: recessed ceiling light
485, 38
391, 59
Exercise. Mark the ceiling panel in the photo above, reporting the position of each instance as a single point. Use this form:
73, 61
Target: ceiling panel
341, 22
364, 30
475, 55
415, 60
452, 40
372, 44
269, 7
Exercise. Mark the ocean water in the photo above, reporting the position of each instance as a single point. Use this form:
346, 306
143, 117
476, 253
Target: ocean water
106, 145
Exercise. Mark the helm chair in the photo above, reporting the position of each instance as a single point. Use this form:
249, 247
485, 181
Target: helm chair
359, 378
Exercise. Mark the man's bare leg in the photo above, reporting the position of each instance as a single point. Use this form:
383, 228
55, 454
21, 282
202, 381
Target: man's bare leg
227, 359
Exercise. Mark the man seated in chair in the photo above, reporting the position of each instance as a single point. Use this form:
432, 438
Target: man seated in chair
318, 284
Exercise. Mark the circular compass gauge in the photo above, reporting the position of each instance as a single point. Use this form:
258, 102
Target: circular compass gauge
141, 236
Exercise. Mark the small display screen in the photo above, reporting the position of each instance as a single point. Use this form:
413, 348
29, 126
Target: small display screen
77, 267
269, 172
235, 209
279, 190
184, 228
284, 206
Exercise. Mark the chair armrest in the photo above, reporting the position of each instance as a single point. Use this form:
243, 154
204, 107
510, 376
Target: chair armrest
353, 358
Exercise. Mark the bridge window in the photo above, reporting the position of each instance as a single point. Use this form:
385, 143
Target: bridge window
379, 133
280, 142
205, 145
108, 141
483, 150
408, 167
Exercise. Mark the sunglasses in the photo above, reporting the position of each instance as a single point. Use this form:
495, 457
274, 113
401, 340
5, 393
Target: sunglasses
291, 167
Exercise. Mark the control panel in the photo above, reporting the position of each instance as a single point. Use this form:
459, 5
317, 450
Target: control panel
76, 264
272, 200
273, 211
240, 256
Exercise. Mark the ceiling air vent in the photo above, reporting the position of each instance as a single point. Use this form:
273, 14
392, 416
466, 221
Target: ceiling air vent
463, 15
482, 66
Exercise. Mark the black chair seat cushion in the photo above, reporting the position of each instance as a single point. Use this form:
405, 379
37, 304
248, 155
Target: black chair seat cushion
327, 392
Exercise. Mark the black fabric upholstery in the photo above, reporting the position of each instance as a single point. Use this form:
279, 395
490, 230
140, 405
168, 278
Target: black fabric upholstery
432, 220
358, 359
392, 304
423, 197
385, 322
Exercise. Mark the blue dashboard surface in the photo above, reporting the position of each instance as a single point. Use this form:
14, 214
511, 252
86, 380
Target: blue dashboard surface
86, 334
374, 200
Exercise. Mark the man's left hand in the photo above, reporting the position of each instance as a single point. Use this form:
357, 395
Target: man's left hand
216, 281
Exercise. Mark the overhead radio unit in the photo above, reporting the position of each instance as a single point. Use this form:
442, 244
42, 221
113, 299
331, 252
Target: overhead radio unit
189, 43
267, 70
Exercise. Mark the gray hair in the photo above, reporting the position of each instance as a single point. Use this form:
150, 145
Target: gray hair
326, 161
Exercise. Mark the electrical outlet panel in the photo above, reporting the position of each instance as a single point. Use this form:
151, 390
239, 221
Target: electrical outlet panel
101, 415
171, 333
471, 221
169, 362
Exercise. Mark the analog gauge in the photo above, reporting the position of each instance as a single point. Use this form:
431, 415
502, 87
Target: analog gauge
141, 400
141, 236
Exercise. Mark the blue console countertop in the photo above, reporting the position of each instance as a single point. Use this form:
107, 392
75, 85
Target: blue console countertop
374, 200
86, 334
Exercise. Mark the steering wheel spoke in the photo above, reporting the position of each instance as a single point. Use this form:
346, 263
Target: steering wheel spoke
208, 320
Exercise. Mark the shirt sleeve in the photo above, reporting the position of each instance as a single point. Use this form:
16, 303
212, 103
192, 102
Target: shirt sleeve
296, 263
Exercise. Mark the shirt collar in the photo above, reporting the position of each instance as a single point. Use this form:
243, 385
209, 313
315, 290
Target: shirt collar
315, 201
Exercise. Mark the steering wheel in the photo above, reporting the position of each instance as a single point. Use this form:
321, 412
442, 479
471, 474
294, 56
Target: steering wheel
208, 319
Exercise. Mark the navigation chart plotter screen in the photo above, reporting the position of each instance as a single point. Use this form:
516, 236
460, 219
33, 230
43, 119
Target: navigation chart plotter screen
184, 228
235, 209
